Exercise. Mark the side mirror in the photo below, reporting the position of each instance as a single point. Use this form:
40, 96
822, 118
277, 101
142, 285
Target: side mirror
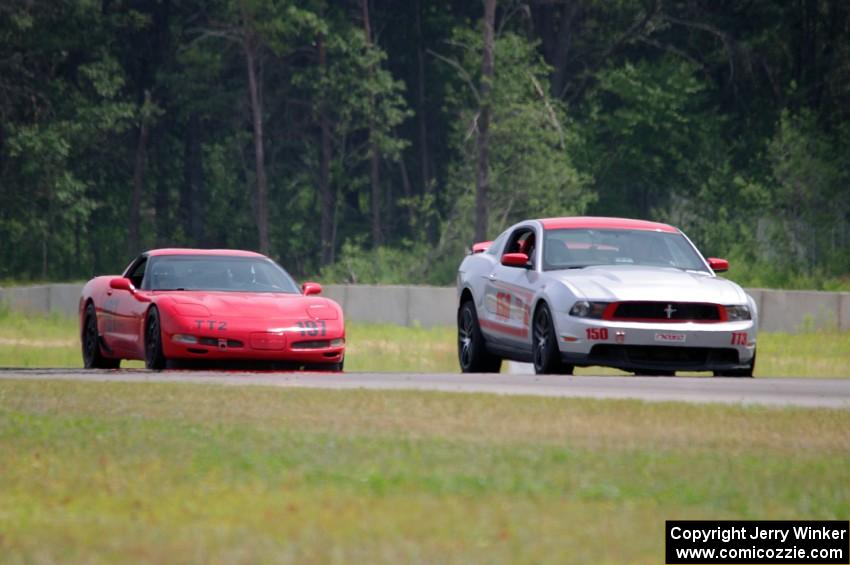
309, 288
718, 265
515, 260
120, 283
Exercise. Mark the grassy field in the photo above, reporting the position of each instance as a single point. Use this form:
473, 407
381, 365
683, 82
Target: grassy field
109, 472
52, 341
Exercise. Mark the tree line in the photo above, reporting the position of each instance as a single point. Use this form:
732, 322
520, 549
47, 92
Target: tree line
374, 140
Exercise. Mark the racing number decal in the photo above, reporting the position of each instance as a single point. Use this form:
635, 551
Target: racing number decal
599, 334
312, 329
219, 325
503, 305
739, 338
508, 310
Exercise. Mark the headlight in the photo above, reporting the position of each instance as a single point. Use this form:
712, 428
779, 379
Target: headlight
738, 313
585, 309
192, 310
183, 338
322, 312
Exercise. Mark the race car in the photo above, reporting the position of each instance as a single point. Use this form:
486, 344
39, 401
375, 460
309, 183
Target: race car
172, 307
582, 291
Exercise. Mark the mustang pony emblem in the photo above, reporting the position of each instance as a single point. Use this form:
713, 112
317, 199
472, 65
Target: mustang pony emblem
669, 311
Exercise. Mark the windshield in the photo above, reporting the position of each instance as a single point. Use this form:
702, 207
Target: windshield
217, 272
577, 248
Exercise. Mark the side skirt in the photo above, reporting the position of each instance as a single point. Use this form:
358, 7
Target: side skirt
511, 352
104, 345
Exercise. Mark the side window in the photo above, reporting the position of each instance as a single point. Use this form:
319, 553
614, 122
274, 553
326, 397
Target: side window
522, 241
494, 248
137, 274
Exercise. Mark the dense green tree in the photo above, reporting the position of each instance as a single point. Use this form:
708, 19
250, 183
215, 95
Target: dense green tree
532, 143
318, 130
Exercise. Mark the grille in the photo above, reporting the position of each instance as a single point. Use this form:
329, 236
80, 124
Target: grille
658, 311
214, 342
315, 344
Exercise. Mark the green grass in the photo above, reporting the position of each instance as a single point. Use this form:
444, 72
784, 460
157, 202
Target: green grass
385, 347
109, 472
39, 341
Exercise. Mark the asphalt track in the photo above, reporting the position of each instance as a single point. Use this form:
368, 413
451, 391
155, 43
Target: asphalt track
809, 392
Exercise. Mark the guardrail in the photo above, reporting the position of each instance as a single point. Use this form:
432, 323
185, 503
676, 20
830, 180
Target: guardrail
791, 311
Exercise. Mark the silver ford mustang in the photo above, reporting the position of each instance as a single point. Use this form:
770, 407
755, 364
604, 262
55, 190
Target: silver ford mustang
580, 291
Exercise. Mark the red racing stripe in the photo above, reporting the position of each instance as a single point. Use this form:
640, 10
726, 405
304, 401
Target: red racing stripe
504, 328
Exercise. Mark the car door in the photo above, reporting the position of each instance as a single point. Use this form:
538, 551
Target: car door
126, 310
509, 291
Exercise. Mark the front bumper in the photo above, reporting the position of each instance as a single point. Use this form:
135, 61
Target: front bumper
685, 346
253, 340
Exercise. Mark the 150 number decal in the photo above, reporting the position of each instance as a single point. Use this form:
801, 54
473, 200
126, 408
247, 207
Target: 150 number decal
312, 329
597, 333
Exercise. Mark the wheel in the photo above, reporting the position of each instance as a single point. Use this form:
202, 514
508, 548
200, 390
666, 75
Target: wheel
154, 357
547, 356
741, 373
324, 367
471, 351
92, 356
336, 367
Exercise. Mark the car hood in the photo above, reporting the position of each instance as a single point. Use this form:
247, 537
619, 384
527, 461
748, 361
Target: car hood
628, 283
251, 305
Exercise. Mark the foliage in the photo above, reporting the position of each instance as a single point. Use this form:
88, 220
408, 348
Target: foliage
531, 139
647, 134
730, 121
384, 265
810, 196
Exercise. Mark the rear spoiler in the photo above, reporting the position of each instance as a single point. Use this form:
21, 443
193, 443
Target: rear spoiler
481, 247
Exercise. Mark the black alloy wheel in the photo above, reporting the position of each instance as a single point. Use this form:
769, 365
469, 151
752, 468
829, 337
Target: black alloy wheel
740, 373
547, 356
471, 350
92, 356
154, 356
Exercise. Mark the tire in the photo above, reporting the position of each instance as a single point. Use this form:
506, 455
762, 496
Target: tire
547, 356
324, 367
645, 373
154, 356
739, 373
471, 350
92, 355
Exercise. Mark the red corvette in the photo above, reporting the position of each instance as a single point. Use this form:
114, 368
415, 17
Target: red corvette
209, 306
